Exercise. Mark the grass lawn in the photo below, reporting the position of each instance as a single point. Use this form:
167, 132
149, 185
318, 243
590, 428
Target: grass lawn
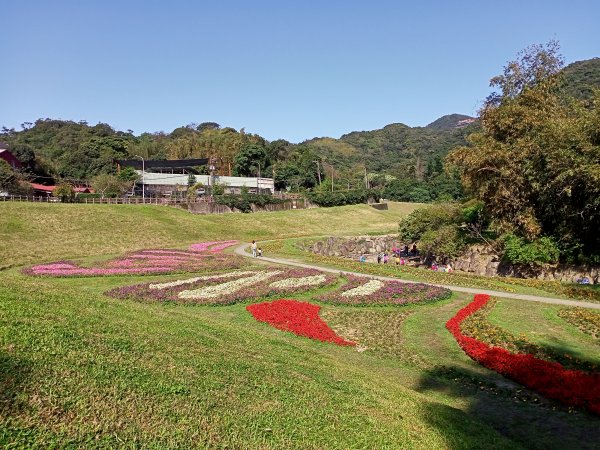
34, 232
79, 369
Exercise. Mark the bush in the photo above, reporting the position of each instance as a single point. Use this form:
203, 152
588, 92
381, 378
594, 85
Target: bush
340, 198
540, 251
65, 192
429, 218
445, 242
244, 202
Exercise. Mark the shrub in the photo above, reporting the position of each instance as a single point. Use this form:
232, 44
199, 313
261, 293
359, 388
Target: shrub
429, 218
540, 251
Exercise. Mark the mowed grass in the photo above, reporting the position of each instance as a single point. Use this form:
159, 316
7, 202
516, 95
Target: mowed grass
82, 370
31, 232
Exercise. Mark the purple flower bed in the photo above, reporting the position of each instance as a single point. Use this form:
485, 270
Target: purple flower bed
390, 293
239, 287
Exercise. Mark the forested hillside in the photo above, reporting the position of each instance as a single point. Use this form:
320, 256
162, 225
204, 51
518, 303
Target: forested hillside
406, 162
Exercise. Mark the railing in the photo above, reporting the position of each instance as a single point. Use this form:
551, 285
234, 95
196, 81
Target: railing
105, 201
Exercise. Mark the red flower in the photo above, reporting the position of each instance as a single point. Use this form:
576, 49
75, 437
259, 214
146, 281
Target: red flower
300, 318
550, 379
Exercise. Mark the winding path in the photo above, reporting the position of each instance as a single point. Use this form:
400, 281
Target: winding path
241, 250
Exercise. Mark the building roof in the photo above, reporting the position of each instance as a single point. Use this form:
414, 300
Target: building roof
44, 188
168, 179
188, 164
7, 156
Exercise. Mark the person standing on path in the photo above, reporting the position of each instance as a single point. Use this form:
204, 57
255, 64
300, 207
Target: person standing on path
254, 247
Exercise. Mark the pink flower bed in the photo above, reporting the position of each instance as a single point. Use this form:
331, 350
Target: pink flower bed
300, 318
214, 247
550, 379
151, 262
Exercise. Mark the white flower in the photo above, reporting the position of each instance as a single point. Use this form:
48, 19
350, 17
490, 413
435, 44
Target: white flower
297, 282
229, 287
193, 280
366, 289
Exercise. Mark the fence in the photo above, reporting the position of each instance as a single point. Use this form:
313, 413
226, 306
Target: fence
196, 205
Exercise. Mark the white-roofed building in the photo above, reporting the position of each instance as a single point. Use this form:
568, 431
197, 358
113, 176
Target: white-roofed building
168, 183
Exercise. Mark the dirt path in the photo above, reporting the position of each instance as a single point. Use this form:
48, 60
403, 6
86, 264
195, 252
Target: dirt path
241, 250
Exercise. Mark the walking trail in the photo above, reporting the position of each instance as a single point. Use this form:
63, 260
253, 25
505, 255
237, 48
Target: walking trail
241, 250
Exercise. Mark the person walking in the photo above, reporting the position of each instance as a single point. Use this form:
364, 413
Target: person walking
254, 247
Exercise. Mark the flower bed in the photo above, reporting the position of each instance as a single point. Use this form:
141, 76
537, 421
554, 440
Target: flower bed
145, 262
586, 320
300, 318
213, 247
362, 291
550, 379
229, 287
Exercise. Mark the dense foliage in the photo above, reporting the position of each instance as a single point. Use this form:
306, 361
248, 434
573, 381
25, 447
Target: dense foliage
536, 161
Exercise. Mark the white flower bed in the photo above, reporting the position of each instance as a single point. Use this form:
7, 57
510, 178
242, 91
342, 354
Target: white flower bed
229, 287
195, 279
366, 289
297, 282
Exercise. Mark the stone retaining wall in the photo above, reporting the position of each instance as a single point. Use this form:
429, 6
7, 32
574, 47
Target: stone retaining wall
478, 259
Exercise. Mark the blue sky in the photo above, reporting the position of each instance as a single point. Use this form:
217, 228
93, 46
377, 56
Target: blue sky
282, 69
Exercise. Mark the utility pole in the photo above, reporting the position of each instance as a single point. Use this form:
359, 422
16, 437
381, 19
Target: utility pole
143, 181
318, 171
258, 180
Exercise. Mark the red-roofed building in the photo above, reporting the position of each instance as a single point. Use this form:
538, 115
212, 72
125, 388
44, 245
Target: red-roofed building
40, 189
7, 156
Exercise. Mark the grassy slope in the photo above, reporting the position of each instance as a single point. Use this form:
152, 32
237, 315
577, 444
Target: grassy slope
82, 369
32, 232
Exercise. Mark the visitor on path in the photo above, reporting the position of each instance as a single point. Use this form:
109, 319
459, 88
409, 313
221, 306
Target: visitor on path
254, 247
414, 249
259, 251
449, 268
362, 259
402, 261
397, 260
405, 251
385, 258
434, 266
378, 258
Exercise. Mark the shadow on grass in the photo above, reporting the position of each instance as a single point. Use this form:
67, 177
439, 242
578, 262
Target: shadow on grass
14, 375
513, 411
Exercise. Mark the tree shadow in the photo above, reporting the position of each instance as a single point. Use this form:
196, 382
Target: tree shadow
513, 411
14, 375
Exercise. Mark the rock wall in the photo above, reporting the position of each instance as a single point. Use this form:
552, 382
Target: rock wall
478, 259
354, 247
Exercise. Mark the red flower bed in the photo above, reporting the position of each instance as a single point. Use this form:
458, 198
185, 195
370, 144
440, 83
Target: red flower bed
300, 318
550, 379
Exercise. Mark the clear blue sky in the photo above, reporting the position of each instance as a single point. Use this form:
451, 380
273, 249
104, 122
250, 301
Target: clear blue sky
282, 69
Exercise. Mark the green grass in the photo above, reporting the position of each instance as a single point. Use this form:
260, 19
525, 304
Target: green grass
82, 370
31, 232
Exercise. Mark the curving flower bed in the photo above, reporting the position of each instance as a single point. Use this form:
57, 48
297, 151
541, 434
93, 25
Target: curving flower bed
300, 318
362, 291
214, 247
229, 287
550, 379
147, 262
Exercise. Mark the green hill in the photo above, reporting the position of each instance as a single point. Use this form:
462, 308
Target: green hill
582, 77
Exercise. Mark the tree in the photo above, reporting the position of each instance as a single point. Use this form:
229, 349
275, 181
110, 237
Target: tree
110, 186
250, 160
9, 180
65, 192
535, 163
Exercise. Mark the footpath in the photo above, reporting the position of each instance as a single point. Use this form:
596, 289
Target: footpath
241, 250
